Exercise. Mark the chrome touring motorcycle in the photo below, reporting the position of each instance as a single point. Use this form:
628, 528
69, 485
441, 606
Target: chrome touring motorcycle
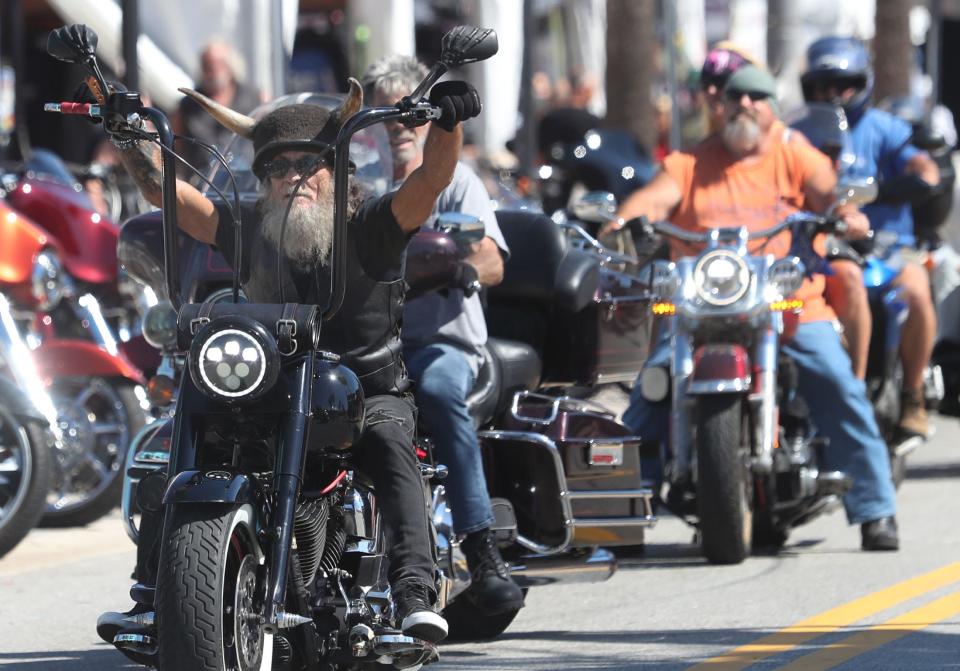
272, 554
743, 463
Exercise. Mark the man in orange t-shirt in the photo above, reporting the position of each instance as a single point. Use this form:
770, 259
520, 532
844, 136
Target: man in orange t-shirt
755, 172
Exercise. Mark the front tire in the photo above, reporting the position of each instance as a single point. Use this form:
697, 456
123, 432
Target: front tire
25, 472
723, 483
207, 610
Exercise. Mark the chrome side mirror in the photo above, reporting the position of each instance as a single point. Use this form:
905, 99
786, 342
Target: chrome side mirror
465, 229
596, 207
856, 191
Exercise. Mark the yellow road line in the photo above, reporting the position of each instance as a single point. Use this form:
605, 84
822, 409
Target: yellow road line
831, 620
874, 637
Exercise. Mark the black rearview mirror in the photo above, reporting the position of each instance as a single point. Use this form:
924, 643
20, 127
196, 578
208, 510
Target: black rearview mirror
597, 207
75, 43
856, 192
465, 44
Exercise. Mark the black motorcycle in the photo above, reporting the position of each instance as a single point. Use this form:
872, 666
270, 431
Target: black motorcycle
272, 551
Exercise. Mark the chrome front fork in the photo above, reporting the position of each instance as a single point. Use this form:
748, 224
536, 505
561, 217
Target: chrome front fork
20, 361
681, 438
766, 399
87, 308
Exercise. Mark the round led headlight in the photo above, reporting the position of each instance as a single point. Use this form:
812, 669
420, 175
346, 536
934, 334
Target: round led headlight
664, 279
48, 281
234, 359
721, 277
160, 325
785, 276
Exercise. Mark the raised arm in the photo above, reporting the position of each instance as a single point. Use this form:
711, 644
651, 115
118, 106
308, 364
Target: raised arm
414, 201
196, 215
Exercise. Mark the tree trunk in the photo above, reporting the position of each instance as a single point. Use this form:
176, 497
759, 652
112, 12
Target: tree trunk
892, 52
631, 68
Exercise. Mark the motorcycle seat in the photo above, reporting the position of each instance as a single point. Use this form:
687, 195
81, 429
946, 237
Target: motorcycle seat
508, 366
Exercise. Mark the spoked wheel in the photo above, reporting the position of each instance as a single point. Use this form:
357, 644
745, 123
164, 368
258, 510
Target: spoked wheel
208, 604
97, 419
24, 477
724, 492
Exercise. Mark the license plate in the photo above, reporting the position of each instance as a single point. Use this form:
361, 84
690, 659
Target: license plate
606, 454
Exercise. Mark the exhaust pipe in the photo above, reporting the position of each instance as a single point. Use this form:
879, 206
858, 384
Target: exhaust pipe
533, 571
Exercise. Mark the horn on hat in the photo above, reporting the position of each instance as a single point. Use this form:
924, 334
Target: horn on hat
352, 104
241, 124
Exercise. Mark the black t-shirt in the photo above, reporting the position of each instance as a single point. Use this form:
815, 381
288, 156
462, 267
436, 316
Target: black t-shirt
366, 331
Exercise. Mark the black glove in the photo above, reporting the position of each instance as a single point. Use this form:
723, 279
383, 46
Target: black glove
458, 101
466, 278
906, 189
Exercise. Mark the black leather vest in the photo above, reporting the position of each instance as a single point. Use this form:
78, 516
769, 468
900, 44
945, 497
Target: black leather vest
366, 330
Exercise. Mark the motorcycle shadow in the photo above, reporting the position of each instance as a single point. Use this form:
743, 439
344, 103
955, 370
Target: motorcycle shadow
101, 659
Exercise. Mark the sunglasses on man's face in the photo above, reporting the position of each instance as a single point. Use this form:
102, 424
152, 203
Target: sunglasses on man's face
736, 95
303, 165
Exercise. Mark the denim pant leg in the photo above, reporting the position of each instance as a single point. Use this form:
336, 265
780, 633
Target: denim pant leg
840, 409
651, 421
386, 454
443, 380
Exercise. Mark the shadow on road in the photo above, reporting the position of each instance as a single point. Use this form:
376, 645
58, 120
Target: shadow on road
933, 472
103, 659
903, 648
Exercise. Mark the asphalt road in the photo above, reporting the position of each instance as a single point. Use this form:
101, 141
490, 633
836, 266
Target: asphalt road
821, 603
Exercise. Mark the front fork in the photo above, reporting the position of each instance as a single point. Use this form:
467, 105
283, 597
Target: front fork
20, 361
764, 398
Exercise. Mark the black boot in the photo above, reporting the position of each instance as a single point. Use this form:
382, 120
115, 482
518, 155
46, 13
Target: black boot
880, 534
415, 612
492, 589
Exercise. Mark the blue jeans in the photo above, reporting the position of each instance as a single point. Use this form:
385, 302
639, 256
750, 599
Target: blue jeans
443, 380
839, 408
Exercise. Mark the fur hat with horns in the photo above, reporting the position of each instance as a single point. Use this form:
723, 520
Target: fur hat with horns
291, 127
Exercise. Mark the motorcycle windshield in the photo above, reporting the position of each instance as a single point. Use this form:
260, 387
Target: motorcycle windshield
369, 151
46, 166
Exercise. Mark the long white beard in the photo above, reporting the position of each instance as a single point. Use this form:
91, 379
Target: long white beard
308, 237
741, 135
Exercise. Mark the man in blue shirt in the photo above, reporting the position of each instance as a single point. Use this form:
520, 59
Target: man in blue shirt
839, 71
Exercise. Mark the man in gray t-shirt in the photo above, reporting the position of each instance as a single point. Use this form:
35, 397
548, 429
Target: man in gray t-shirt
443, 334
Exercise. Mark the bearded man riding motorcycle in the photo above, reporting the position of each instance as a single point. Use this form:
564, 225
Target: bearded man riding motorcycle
755, 172
839, 72
366, 331
443, 335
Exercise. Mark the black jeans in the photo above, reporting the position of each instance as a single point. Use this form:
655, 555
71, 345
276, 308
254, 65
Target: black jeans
386, 455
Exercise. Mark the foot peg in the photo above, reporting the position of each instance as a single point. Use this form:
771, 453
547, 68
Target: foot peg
836, 483
141, 644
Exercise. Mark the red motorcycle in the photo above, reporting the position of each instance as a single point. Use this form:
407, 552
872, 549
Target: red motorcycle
77, 318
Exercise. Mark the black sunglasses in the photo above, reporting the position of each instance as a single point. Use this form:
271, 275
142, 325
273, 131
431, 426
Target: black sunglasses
735, 95
303, 165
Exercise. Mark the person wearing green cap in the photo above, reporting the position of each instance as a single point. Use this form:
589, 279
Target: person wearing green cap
754, 172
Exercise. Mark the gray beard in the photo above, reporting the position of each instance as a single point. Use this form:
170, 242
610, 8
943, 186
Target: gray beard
741, 135
308, 237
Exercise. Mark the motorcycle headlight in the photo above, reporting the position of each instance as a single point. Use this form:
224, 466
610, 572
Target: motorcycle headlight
664, 279
234, 359
785, 276
48, 281
721, 277
160, 325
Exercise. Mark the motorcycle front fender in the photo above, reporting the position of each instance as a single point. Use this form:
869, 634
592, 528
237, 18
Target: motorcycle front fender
77, 358
208, 487
720, 369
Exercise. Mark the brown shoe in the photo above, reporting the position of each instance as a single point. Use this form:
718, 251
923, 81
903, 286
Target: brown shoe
913, 414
